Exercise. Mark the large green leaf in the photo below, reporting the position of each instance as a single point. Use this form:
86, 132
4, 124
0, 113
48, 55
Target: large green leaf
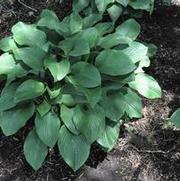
131, 103
16, 118
146, 86
74, 149
175, 118
115, 11
17, 72
104, 28
58, 69
28, 90
79, 5
113, 111
85, 75
123, 2
90, 35
28, 35
117, 82
129, 29
75, 47
112, 40
91, 20
102, 4
109, 137
7, 63
124, 101
7, 44
142, 4
93, 95
35, 150
136, 51
31, 56
43, 108
76, 23
67, 99
51, 21
113, 62
47, 128
91, 122
67, 118
7, 97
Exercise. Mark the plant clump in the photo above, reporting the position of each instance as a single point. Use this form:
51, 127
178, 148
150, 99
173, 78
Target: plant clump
76, 79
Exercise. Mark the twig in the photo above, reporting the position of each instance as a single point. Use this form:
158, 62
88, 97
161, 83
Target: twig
33, 9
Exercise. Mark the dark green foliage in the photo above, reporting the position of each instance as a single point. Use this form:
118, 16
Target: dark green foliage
76, 79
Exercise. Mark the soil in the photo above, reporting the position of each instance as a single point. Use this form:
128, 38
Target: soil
151, 151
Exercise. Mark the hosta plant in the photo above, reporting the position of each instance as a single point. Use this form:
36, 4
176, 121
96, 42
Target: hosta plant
75, 81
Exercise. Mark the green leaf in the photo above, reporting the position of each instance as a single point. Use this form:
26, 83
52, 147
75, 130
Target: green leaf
35, 150
81, 47
136, 51
31, 56
115, 11
91, 20
175, 118
113, 62
93, 95
131, 103
129, 29
76, 23
124, 101
54, 92
75, 47
1, 119
112, 40
7, 97
109, 137
47, 128
25, 34
113, 111
67, 118
123, 2
28, 90
102, 4
91, 122
7, 63
104, 28
119, 81
74, 149
17, 72
7, 44
146, 86
152, 49
58, 69
90, 35
51, 21
79, 5
86, 75
16, 118
67, 99
142, 4
47, 12
43, 108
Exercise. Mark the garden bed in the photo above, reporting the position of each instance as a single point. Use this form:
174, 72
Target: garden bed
150, 152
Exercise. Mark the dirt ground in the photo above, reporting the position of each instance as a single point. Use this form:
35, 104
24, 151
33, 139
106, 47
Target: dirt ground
150, 152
